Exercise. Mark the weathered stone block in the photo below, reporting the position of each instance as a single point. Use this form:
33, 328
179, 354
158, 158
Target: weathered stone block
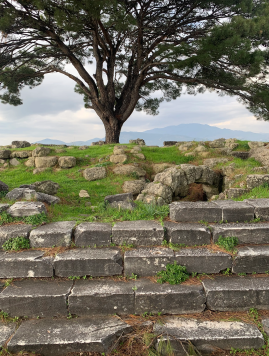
5, 154
140, 232
237, 293
46, 162
195, 211
35, 298
88, 262
188, 234
11, 231
22, 208
15, 194
91, 234
54, 234
147, 261
119, 197
235, 211
261, 208
202, 260
251, 259
265, 324
6, 330
67, 161
25, 264
104, 297
168, 299
60, 336
246, 233
207, 336
94, 173
20, 144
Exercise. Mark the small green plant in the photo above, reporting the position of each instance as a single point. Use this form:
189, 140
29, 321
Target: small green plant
228, 243
173, 246
73, 278
133, 276
69, 316
241, 274
8, 282
16, 244
36, 219
174, 274
227, 272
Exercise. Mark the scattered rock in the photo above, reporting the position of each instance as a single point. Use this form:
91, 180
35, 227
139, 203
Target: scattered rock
260, 169
83, 147
21, 154
200, 148
94, 173
60, 150
160, 167
67, 162
240, 154
231, 145
123, 205
138, 141
22, 208
14, 162
255, 180
84, 194
119, 197
2, 161
139, 155
219, 143
154, 191
224, 151
136, 149
20, 144
133, 186
118, 158
255, 144
211, 162
46, 162
39, 170
41, 152
47, 187
185, 146
228, 170
5, 154
235, 192
30, 162
3, 187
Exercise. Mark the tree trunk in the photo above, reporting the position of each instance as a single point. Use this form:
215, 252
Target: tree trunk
113, 129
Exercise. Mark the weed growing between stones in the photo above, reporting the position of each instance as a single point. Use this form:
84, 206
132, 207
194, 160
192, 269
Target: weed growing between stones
16, 244
228, 243
174, 274
32, 220
174, 247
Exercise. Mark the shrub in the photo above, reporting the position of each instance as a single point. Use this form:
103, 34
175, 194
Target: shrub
174, 274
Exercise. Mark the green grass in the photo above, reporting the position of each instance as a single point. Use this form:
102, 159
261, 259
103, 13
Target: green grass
256, 193
242, 146
165, 155
16, 244
228, 243
174, 274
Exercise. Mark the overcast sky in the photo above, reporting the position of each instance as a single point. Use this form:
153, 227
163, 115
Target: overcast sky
53, 110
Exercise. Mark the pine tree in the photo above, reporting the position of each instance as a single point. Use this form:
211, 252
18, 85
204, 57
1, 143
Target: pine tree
138, 48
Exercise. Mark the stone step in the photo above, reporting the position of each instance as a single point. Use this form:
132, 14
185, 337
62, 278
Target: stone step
237, 293
53, 337
206, 336
143, 262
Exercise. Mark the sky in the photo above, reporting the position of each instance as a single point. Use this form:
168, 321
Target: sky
53, 110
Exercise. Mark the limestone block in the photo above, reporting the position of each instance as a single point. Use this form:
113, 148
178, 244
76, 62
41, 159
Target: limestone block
67, 161
233, 211
118, 158
119, 197
94, 173
22, 208
34, 298
251, 259
46, 162
3, 187
195, 211
4, 207
12, 231
261, 208
139, 233
25, 264
46, 186
88, 262
91, 234
133, 186
53, 234
208, 336
20, 144
61, 336
129, 170
202, 260
5, 154
103, 297
237, 293
41, 152
147, 261
30, 162
187, 234
255, 144
167, 298
6, 331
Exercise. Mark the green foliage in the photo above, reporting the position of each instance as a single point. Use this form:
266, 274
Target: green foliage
36, 219
73, 278
227, 272
175, 247
228, 243
16, 244
174, 274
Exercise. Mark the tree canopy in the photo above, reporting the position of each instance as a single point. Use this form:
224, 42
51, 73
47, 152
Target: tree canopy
143, 51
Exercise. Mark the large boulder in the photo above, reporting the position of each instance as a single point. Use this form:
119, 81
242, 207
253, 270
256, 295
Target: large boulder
14, 162
46, 186
118, 150
5, 154
160, 167
185, 146
255, 144
260, 154
172, 178
136, 149
94, 173
30, 162
129, 170
255, 180
211, 162
138, 141
20, 144
41, 152
133, 186
118, 158
22, 208
46, 162
157, 190
67, 162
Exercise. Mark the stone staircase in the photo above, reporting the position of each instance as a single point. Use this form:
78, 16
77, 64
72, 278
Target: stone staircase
80, 299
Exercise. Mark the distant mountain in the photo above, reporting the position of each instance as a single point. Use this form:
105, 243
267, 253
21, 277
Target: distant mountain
183, 132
